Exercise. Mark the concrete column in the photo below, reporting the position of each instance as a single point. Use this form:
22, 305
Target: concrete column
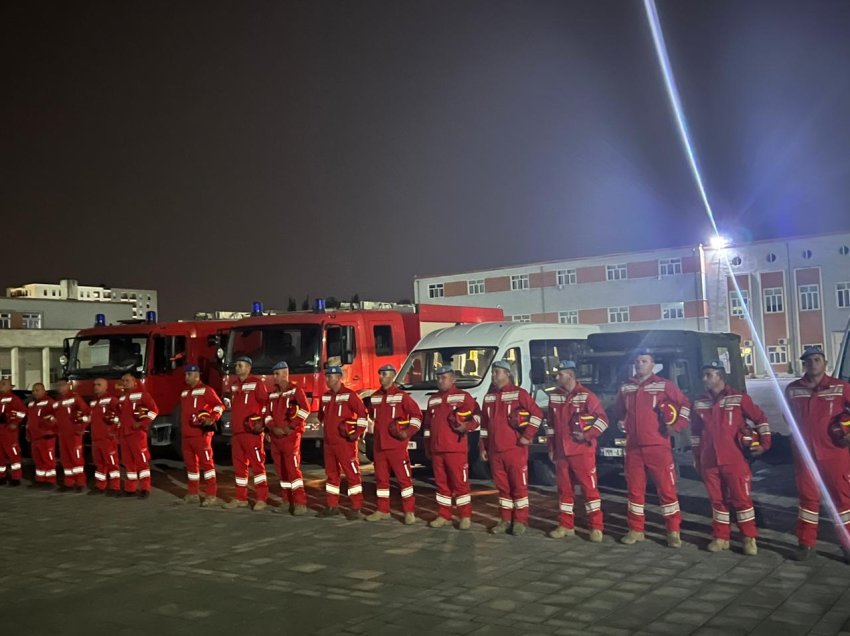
15, 366
45, 366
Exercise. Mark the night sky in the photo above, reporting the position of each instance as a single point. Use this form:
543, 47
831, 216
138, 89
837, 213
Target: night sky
226, 152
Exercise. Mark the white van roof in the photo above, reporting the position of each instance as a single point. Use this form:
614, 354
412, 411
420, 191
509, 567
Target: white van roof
490, 334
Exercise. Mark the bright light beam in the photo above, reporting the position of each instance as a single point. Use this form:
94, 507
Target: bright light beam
684, 136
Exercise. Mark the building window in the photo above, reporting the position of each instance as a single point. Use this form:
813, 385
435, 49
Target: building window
771, 257
383, 340
672, 311
669, 266
436, 290
618, 314
31, 321
736, 261
748, 358
475, 287
520, 281
615, 272
778, 354
565, 277
521, 318
842, 295
568, 317
5, 321
735, 306
809, 297
807, 254
844, 250
774, 301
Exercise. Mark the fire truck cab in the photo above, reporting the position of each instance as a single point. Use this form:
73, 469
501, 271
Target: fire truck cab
157, 352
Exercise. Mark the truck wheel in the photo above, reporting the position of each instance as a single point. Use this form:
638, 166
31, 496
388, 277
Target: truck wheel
543, 472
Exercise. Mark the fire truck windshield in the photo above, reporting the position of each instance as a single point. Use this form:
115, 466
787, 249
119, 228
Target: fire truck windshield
266, 345
106, 356
471, 366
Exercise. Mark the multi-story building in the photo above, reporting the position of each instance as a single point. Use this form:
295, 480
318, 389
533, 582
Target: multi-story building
143, 300
788, 293
32, 331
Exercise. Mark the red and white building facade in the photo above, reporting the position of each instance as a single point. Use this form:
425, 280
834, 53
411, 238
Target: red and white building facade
796, 291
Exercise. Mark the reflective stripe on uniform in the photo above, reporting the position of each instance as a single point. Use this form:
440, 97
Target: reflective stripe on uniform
670, 509
332, 489
355, 490
746, 515
463, 500
383, 492
721, 516
636, 509
407, 492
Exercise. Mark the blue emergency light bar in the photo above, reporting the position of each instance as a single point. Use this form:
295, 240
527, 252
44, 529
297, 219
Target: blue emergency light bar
100, 320
257, 308
150, 317
319, 306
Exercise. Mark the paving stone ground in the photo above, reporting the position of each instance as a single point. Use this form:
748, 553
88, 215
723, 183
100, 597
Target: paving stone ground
75, 564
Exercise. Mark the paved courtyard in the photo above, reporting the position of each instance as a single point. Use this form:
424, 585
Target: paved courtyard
77, 564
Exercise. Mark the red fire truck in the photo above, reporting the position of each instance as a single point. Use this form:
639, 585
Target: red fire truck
361, 340
157, 352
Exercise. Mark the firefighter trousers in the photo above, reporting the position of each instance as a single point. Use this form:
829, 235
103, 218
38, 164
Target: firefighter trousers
728, 487
44, 458
510, 476
249, 452
836, 478
578, 469
72, 459
137, 461
286, 454
658, 462
396, 462
107, 470
198, 459
451, 476
10, 454
342, 459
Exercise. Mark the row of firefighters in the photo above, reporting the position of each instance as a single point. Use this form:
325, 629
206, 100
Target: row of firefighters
726, 426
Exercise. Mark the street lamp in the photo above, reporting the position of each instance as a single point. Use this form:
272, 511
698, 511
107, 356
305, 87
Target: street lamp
718, 242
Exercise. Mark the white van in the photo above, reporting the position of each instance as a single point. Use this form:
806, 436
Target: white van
533, 350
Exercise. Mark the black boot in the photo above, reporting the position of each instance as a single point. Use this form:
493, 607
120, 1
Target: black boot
14, 482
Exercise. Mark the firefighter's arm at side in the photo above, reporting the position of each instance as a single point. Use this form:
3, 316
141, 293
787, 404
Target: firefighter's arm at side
358, 408
683, 406
214, 404
600, 423
535, 413
752, 412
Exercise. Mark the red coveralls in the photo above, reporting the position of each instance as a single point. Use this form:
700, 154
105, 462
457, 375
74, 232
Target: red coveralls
197, 443
814, 408
385, 407
249, 401
41, 432
716, 421
66, 410
134, 441
288, 409
104, 438
12, 413
648, 447
576, 461
340, 453
508, 458
450, 450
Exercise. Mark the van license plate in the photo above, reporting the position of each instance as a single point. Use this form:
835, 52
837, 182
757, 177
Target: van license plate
612, 452
411, 445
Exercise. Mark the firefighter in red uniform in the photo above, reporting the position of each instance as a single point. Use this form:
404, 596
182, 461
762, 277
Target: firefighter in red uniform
137, 410
648, 408
249, 403
718, 425
104, 439
821, 407
286, 419
12, 413
343, 416
509, 421
200, 409
576, 419
41, 434
396, 419
72, 419
450, 416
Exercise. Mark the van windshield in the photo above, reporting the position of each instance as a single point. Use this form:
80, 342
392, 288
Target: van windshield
471, 366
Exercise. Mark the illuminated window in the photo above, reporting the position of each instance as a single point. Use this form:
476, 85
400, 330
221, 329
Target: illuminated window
736, 308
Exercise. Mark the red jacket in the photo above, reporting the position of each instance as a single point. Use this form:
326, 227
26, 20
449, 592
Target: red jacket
385, 406
192, 402
337, 408
564, 408
12, 413
497, 433
40, 421
288, 406
128, 404
438, 433
636, 408
102, 410
715, 423
814, 408
249, 400
72, 414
